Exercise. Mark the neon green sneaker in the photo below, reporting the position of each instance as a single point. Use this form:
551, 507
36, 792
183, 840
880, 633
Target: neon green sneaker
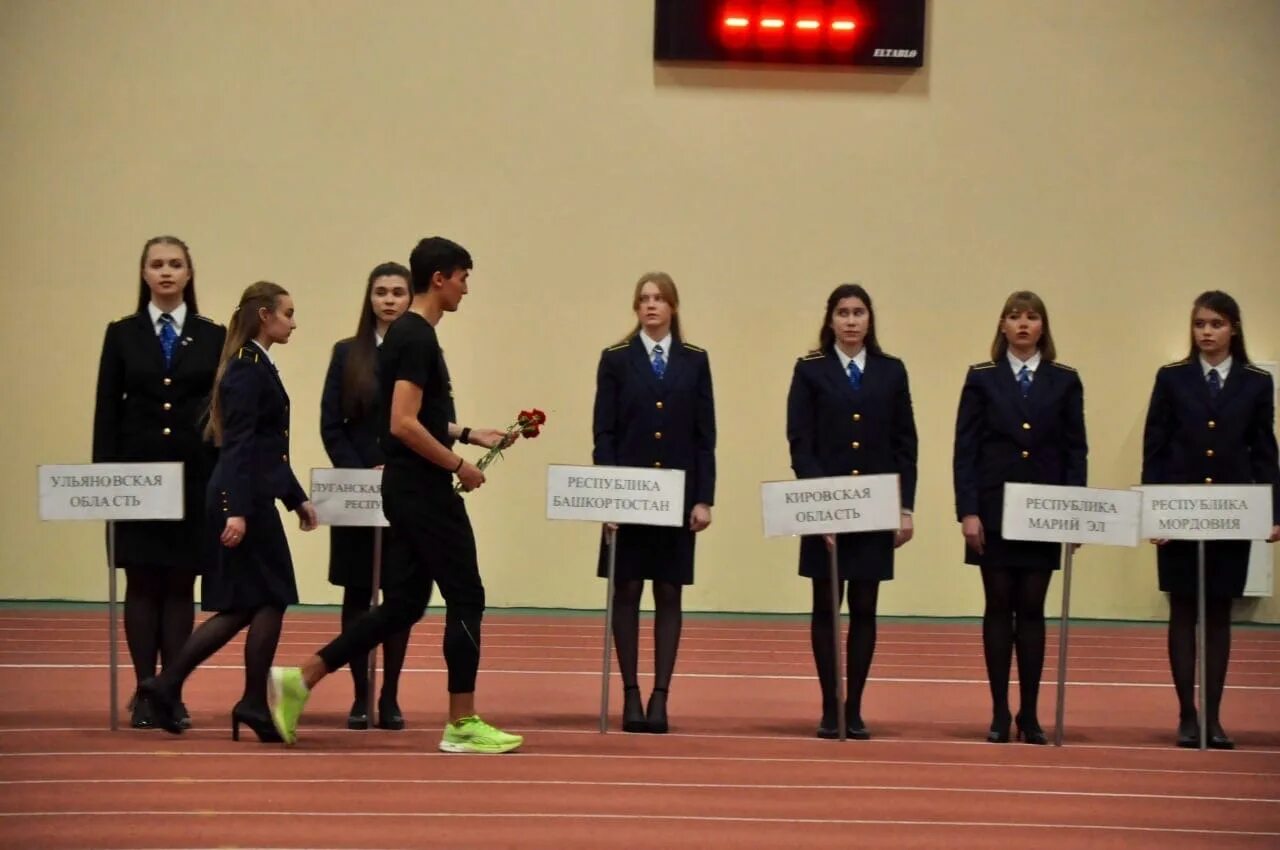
473, 735
287, 695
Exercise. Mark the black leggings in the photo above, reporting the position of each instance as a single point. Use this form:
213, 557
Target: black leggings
861, 645
1183, 614
440, 547
667, 622
1014, 616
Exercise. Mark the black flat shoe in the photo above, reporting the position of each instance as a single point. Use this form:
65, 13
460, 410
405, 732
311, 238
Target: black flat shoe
633, 711
256, 718
827, 730
184, 717
856, 730
1189, 733
389, 716
141, 716
999, 731
656, 715
357, 718
1029, 731
1219, 739
164, 706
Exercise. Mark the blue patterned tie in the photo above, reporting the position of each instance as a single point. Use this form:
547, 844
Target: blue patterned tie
168, 338
1215, 383
1024, 381
855, 375
659, 364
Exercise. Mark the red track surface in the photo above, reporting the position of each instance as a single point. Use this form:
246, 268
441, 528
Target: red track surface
741, 767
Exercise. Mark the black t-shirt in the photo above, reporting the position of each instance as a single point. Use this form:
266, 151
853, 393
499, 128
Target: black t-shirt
411, 352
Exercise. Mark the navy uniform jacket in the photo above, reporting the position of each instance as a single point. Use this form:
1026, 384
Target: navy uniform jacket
252, 472
834, 430
351, 443
253, 467
147, 413
669, 424
1002, 437
1191, 438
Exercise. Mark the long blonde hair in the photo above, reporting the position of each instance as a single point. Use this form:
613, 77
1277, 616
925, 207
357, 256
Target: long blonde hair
244, 325
667, 288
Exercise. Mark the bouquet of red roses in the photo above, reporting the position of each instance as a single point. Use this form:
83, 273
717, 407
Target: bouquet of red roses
528, 424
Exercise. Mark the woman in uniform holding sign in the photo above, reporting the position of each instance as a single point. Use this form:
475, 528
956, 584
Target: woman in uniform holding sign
154, 381
654, 408
349, 423
1211, 421
1021, 418
849, 413
249, 580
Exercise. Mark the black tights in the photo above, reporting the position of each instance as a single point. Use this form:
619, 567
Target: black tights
159, 611
1182, 652
1014, 615
861, 645
666, 630
214, 633
355, 602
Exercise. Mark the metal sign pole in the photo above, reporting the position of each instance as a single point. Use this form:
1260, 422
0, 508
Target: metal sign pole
113, 626
1200, 648
1064, 629
611, 541
376, 583
841, 726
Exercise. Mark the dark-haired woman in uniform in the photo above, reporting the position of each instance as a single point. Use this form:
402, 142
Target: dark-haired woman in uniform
349, 425
654, 407
849, 413
1021, 419
1211, 421
154, 381
249, 578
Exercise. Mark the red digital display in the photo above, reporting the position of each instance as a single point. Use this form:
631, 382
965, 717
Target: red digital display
787, 26
806, 32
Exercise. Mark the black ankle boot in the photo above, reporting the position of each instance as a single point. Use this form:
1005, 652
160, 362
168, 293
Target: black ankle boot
389, 716
358, 717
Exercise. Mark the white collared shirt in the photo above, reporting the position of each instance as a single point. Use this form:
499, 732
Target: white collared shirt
265, 353
860, 358
377, 340
1032, 363
1224, 368
650, 344
178, 313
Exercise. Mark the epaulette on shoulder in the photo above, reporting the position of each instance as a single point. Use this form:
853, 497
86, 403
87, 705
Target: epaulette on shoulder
207, 319
248, 352
695, 348
124, 318
985, 364
1062, 366
1250, 367
889, 357
816, 354
1182, 362
617, 347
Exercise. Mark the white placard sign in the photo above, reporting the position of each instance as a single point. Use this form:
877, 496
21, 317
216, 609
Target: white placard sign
1054, 514
348, 496
634, 495
831, 505
1206, 511
111, 491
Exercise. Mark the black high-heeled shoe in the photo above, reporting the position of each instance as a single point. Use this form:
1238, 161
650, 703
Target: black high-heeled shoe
655, 717
1029, 730
1189, 732
357, 717
164, 706
633, 719
389, 716
257, 719
999, 731
184, 717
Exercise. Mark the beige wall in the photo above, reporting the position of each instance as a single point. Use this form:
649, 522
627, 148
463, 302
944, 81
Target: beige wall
1116, 157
